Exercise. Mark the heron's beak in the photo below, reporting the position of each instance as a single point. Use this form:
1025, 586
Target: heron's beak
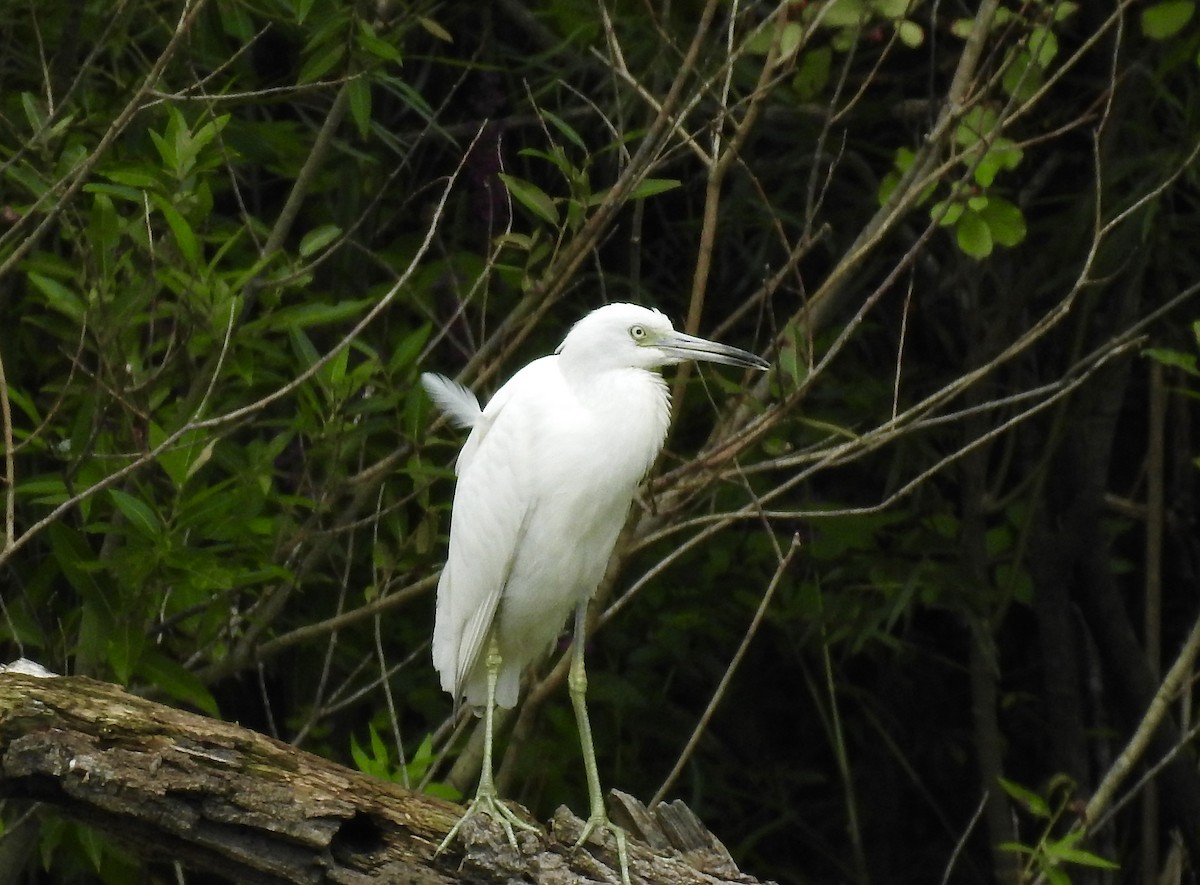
680, 347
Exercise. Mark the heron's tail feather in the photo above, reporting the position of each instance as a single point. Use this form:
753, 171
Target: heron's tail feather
458, 402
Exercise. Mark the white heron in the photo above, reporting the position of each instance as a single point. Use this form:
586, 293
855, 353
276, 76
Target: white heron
545, 481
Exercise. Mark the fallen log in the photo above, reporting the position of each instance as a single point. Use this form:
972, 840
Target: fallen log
215, 796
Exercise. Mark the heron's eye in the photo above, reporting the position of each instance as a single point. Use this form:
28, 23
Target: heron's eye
637, 333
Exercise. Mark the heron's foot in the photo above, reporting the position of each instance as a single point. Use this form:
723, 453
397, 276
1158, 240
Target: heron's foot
600, 821
487, 802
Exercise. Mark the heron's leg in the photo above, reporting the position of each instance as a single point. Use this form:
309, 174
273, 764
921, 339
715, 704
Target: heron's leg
486, 798
577, 685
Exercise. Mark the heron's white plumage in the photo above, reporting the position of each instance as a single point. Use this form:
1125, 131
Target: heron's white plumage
458, 402
545, 481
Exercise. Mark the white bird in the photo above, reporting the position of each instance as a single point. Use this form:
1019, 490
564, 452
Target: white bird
545, 481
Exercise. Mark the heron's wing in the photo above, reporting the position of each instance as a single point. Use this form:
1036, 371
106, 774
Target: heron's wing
457, 401
491, 504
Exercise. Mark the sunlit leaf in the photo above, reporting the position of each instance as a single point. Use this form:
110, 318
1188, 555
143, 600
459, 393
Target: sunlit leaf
434, 28
1032, 802
843, 13
1005, 220
789, 40
973, 235
1043, 46
1174, 358
891, 8
910, 33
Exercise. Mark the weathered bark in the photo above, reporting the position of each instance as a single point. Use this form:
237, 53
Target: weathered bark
215, 796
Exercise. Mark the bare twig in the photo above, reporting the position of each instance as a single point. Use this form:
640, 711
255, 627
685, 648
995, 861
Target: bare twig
723, 686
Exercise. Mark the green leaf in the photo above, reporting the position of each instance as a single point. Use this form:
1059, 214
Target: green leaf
27, 178
1005, 221
1022, 75
132, 178
302, 316
568, 132
93, 846
236, 22
1174, 358
359, 90
892, 9
374, 45
844, 13
361, 760
1032, 802
648, 187
557, 158
435, 29
1043, 46
181, 460
973, 235
322, 63
531, 197
977, 124
910, 33
47, 490
59, 296
1081, 857
185, 239
1064, 10
177, 682
167, 143
104, 225
316, 240
1166, 19
1057, 876
790, 40
123, 650
946, 212
139, 514
812, 73
1016, 848
202, 458
35, 113
128, 194
1003, 154
962, 27
405, 353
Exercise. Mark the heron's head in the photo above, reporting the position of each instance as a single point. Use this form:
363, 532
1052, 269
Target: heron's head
629, 335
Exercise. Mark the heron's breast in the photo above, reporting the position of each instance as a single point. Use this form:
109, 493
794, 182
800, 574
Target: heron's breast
613, 433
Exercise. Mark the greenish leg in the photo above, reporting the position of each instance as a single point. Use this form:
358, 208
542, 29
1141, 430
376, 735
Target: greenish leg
577, 685
486, 799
